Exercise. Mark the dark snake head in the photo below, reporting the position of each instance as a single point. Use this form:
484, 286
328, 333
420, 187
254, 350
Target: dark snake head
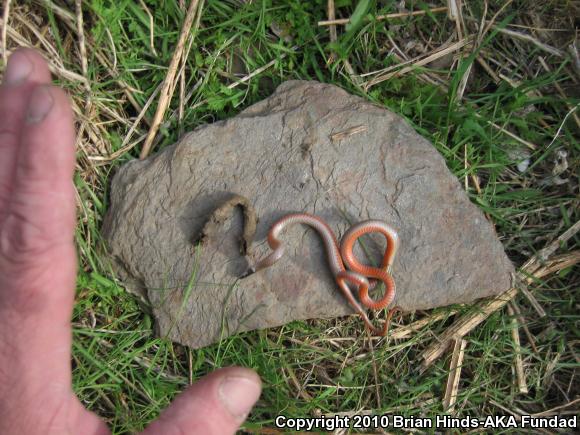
247, 273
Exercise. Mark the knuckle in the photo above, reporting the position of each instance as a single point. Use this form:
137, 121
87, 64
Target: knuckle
31, 167
24, 266
30, 227
20, 238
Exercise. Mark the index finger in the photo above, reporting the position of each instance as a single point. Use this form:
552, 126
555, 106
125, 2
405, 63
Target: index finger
41, 208
26, 68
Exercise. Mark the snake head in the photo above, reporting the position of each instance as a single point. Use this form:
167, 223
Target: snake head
248, 272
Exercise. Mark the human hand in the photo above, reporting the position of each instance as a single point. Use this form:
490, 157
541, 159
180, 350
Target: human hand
38, 272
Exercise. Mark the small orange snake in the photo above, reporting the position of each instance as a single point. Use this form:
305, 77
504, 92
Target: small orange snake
357, 273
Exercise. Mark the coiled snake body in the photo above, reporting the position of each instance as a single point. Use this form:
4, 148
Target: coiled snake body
361, 276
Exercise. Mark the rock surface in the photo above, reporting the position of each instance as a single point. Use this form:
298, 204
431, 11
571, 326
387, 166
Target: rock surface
309, 147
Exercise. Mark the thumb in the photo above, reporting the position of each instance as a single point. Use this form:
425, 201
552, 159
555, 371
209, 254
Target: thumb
217, 404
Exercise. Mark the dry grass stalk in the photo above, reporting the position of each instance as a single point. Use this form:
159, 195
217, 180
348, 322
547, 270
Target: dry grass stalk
503, 62
127, 89
354, 77
528, 38
181, 107
496, 79
573, 51
402, 60
469, 321
5, 16
515, 412
522, 36
454, 375
375, 370
151, 27
168, 83
552, 411
465, 166
344, 21
480, 34
113, 48
335, 137
452, 10
497, 14
570, 112
533, 301
559, 262
516, 83
522, 321
548, 376
81, 41
23, 24
333, 38
300, 391
454, 13
508, 133
547, 252
181, 71
331, 17
139, 118
115, 117
84, 67
63, 13
181, 74
53, 66
520, 374
331, 13
93, 129
406, 330
69, 19
106, 159
424, 76
419, 61
27, 33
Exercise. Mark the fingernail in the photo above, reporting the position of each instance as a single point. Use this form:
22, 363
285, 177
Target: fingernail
18, 69
39, 105
238, 395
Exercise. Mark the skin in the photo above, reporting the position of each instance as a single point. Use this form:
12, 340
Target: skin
38, 272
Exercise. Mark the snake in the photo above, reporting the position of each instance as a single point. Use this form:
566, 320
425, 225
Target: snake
361, 276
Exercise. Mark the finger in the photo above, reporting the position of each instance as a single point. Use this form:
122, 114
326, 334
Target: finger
217, 404
41, 207
37, 256
26, 68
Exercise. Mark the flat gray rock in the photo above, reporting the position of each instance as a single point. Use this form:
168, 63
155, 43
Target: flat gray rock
310, 147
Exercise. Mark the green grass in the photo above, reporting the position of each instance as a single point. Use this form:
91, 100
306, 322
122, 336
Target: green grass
128, 375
